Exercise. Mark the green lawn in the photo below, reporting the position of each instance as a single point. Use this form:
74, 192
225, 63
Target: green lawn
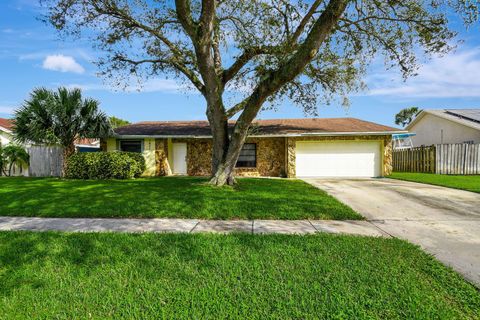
180, 197
155, 276
469, 183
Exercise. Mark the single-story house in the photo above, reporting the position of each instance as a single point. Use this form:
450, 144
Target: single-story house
336, 147
6, 137
438, 126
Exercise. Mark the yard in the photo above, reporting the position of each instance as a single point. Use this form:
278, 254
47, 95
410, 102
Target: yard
469, 183
173, 197
68, 276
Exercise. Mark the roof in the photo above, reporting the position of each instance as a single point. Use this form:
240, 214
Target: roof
466, 117
87, 142
6, 124
277, 127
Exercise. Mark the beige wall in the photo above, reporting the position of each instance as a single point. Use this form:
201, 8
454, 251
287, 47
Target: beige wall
148, 153
429, 130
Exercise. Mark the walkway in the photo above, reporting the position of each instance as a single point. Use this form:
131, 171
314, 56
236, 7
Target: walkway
190, 226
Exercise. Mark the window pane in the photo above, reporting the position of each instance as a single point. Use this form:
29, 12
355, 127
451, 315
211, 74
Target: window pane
248, 156
131, 146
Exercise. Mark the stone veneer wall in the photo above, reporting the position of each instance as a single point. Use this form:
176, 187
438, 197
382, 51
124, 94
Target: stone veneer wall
270, 157
387, 149
162, 167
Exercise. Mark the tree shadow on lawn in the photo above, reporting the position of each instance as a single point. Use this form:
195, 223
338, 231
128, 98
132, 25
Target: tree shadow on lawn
344, 267
181, 197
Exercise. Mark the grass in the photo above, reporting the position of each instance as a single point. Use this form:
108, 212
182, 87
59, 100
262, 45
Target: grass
154, 276
174, 197
469, 183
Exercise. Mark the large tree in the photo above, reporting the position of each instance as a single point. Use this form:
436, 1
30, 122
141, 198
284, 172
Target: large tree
405, 116
242, 54
117, 122
60, 117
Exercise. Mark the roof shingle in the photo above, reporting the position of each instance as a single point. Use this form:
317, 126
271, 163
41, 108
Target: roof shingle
6, 123
259, 127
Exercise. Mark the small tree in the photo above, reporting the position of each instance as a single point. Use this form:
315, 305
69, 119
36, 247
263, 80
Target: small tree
12, 155
405, 116
59, 117
265, 50
117, 122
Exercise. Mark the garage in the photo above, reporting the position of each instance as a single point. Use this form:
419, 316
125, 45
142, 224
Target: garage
338, 159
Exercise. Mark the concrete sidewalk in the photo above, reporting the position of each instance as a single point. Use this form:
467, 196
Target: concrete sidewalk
355, 227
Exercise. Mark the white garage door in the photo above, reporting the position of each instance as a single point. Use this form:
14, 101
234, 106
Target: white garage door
338, 159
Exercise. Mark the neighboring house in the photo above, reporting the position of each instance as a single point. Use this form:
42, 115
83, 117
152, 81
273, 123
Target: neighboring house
5, 131
446, 126
337, 147
6, 137
87, 145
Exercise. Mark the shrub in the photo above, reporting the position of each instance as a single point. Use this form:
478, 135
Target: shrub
105, 165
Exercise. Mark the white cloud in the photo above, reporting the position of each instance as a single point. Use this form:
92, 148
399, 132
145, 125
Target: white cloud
452, 76
159, 85
151, 85
62, 63
7, 110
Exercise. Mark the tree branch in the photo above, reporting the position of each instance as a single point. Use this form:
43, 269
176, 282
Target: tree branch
187, 72
184, 14
301, 27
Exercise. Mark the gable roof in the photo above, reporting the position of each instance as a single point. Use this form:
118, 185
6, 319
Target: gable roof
466, 117
276, 127
6, 124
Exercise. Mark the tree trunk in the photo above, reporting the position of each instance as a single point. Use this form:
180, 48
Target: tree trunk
67, 152
225, 170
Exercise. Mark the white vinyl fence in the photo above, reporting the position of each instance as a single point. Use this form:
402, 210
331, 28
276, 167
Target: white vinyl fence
459, 158
45, 161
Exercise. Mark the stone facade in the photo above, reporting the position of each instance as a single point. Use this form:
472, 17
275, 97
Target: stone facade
162, 167
270, 157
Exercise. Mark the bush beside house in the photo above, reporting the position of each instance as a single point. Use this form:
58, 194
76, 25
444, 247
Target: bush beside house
105, 165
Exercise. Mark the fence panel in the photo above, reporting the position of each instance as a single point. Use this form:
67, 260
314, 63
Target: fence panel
45, 161
420, 159
457, 158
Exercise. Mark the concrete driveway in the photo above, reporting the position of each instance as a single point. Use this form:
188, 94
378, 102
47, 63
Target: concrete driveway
443, 221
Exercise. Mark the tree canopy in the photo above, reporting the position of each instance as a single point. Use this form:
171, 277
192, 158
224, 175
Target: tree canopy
309, 51
117, 122
59, 117
405, 116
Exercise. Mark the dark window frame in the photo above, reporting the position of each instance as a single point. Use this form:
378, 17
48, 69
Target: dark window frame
130, 140
249, 150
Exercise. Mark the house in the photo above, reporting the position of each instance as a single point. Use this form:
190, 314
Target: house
446, 126
336, 147
6, 137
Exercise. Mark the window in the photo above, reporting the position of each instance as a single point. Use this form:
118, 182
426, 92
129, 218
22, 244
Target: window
248, 156
131, 145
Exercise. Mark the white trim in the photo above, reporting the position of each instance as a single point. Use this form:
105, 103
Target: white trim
373, 133
6, 130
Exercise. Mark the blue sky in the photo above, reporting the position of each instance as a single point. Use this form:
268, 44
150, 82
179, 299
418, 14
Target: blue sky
32, 55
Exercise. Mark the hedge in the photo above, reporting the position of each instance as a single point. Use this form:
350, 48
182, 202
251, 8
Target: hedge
105, 165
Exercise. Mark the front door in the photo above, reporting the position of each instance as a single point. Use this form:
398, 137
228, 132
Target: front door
180, 158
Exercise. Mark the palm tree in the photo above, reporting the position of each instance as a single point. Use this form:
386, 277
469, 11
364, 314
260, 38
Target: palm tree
405, 116
13, 155
60, 117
